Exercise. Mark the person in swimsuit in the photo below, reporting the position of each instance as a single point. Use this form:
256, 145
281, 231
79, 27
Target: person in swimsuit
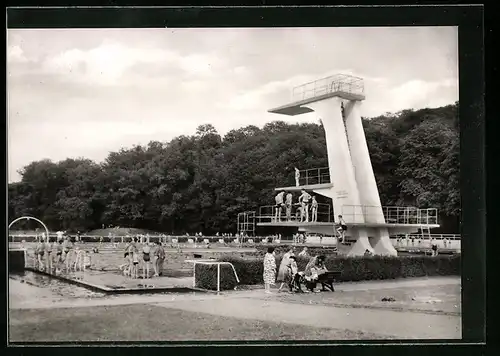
146, 256
78, 263
48, 255
304, 203
159, 256
39, 255
314, 209
67, 249
279, 206
342, 228
288, 206
58, 246
297, 177
133, 257
135, 264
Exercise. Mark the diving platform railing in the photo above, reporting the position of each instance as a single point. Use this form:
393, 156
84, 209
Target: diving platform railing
393, 214
246, 223
314, 176
339, 83
267, 214
396, 215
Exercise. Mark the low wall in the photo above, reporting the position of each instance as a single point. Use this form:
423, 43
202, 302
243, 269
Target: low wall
17, 260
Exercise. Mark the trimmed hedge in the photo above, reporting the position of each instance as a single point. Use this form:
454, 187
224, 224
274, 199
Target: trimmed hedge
206, 277
250, 270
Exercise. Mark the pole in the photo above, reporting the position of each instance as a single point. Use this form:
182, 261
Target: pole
218, 277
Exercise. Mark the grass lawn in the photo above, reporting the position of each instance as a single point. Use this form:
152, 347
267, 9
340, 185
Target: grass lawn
154, 323
445, 299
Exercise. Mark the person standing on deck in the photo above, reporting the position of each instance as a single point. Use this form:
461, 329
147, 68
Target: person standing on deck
297, 177
269, 270
279, 206
314, 209
288, 206
159, 258
304, 203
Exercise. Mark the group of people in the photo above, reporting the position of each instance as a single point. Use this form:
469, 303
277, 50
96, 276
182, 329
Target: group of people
61, 254
135, 259
303, 206
288, 273
421, 242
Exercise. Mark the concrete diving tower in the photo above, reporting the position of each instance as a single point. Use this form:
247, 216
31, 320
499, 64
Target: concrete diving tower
348, 180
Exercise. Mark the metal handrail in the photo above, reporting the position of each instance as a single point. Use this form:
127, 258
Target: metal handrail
429, 236
267, 213
335, 83
393, 214
314, 176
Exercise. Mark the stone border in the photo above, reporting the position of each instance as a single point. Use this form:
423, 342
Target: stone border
111, 291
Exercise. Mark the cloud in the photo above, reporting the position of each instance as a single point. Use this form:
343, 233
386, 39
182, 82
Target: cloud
108, 63
205, 64
103, 65
15, 54
418, 93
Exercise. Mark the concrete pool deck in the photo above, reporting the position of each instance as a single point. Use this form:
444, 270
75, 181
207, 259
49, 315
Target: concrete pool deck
113, 283
312, 309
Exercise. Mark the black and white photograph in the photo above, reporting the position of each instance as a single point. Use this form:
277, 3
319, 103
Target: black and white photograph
221, 184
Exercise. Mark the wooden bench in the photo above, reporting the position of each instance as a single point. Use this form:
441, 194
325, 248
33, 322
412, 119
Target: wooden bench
326, 279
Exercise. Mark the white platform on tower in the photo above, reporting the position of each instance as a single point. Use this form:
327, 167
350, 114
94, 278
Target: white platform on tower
298, 108
343, 86
305, 187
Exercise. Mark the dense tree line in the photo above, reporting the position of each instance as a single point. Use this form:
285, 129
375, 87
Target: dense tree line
201, 182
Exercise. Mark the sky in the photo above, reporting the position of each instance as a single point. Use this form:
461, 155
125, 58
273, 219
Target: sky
86, 92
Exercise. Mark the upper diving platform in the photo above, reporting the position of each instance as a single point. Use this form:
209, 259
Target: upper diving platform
310, 179
344, 86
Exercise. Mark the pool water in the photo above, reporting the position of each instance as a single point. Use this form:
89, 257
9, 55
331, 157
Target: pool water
54, 286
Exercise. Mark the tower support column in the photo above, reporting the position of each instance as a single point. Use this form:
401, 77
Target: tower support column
365, 179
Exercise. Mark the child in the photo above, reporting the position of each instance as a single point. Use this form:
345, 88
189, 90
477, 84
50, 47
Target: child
125, 267
342, 228
87, 260
135, 264
298, 213
314, 209
294, 281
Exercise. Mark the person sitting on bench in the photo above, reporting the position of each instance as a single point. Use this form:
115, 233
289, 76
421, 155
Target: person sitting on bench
294, 281
314, 269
